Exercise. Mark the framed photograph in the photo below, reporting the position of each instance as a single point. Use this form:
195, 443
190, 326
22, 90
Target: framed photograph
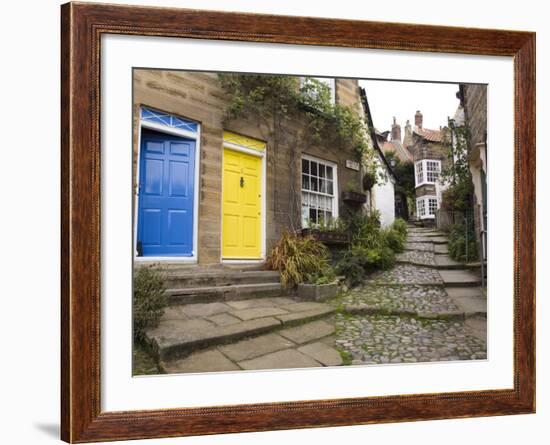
275, 222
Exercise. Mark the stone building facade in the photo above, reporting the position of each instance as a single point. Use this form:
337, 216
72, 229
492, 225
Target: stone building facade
430, 155
238, 195
473, 101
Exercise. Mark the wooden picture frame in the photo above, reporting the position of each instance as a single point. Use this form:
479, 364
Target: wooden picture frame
82, 26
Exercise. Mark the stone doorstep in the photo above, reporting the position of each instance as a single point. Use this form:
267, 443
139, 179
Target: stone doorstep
225, 293
224, 278
177, 338
414, 263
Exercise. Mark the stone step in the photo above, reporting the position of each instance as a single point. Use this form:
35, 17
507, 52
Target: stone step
175, 267
177, 335
465, 278
208, 294
220, 278
308, 345
464, 292
444, 261
472, 306
440, 249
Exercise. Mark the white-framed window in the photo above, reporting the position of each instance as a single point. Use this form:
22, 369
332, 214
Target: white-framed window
319, 191
426, 206
330, 82
427, 171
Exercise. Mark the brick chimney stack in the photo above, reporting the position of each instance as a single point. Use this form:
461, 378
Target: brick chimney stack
395, 131
418, 119
407, 139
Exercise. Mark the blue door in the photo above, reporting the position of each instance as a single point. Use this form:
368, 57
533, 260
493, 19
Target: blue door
166, 195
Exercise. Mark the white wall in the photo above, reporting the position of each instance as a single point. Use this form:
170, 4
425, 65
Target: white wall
384, 199
29, 376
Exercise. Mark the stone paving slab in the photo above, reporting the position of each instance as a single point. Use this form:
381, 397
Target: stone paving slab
288, 358
472, 305
478, 327
308, 332
446, 261
254, 347
260, 302
204, 361
460, 278
223, 319
173, 339
428, 247
174, 313
258, 312
323, 353
204, 309
310, 315
458, 292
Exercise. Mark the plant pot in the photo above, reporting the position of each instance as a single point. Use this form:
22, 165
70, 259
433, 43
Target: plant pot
328, 237
354, 198
316, 292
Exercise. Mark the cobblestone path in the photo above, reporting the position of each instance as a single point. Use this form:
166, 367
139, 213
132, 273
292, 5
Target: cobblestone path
419, 311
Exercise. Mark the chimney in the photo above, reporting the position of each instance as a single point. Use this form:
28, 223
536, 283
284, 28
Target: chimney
395, 131
418, 119
407, 139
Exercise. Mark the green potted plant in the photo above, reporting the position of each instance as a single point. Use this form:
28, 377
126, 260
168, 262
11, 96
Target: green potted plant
352, 195
319, 286
330, 233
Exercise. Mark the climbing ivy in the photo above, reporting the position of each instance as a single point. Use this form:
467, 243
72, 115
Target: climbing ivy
457, 173
296, 114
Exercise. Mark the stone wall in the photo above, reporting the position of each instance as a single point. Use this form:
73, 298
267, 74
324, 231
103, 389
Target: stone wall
199, 97
475, 109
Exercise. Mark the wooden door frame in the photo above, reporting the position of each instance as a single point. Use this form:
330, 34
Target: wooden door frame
263, 203
194, 258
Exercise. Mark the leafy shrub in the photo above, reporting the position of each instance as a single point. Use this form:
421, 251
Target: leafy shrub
394, 239
297, 257
360, 260
400, 225
149, 300
457, 244
324, 276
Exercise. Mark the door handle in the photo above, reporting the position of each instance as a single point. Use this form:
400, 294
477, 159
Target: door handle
242, 181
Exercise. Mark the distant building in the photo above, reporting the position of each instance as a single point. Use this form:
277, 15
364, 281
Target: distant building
430, 155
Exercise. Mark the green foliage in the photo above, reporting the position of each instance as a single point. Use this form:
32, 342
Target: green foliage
458, 196
360, 260
323, 276
297, 258
279, 99
404, 171
400, 225
372, 247
149, 300
458, 243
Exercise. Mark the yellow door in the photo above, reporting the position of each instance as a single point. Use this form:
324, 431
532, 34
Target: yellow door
241, 205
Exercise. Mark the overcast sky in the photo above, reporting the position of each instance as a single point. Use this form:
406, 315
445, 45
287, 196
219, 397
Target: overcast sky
436, 101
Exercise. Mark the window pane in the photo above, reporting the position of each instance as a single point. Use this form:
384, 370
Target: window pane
313, 170
321, 171
313, 216
305, 182
322, 186
305, 166
329, 172
314, 184
330, 189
